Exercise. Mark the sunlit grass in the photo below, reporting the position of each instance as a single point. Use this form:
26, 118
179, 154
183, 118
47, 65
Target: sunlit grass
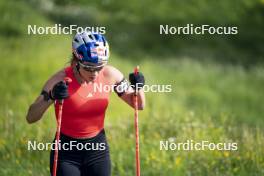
208, 102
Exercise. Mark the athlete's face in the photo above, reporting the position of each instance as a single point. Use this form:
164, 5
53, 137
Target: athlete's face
90, 72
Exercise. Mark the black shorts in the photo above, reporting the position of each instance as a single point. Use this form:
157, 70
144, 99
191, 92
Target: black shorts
83, 157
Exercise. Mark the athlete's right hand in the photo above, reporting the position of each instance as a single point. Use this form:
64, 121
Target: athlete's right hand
59, 91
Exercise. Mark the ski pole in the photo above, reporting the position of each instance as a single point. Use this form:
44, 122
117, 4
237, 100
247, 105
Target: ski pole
55, 161
136, 127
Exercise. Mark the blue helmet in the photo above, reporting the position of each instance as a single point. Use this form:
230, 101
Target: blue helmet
91, 47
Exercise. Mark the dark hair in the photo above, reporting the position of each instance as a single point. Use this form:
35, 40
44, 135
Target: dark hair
74, 60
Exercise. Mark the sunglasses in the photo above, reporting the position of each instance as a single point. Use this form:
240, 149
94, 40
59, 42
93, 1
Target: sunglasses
91, 68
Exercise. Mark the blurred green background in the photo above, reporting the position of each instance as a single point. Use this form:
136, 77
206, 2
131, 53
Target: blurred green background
217, 82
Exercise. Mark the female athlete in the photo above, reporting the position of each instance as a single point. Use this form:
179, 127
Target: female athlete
84, 150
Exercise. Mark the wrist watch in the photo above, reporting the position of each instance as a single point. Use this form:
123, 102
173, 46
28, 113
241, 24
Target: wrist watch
45, 95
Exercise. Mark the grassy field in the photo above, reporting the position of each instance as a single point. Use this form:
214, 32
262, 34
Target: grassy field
209, 101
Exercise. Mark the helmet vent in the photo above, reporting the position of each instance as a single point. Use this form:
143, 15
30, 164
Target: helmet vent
76, 40
96, 37
103, 40
90, 36
84, 41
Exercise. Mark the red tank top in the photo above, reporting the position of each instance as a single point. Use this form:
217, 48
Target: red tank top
84, 111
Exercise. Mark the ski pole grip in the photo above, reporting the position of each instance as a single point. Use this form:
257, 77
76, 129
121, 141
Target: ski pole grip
67, 81
136, 70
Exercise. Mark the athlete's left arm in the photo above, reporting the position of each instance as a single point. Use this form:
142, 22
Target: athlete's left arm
128, 95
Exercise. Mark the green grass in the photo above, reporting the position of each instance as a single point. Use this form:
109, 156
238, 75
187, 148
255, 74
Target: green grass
208, 101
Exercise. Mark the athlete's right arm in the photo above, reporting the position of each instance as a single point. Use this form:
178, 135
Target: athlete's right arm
39, 106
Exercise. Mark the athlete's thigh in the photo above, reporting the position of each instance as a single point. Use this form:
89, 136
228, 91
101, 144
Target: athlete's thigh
102, 168
66, 168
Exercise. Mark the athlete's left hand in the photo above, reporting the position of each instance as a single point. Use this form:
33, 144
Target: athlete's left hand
137, 80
